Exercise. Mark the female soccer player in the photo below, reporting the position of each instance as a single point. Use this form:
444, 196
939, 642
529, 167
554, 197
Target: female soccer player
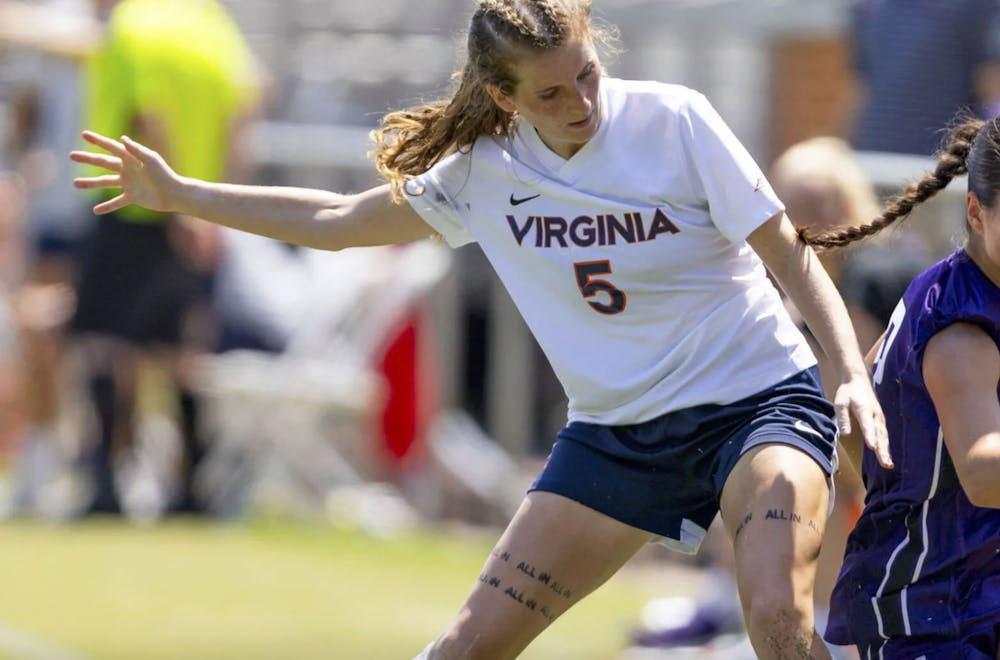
632, 230
921, 575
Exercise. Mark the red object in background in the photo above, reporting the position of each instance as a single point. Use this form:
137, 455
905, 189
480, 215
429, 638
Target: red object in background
410, 397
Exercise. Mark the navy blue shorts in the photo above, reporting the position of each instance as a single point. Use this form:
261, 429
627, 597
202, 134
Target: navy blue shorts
666, 475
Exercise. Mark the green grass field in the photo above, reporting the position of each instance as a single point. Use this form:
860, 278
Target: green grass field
188, 590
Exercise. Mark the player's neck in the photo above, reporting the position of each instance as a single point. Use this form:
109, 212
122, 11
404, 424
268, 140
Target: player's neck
979, 256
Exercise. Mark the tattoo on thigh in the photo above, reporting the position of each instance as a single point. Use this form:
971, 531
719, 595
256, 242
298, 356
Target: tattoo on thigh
546, 584
743, 523
790, 516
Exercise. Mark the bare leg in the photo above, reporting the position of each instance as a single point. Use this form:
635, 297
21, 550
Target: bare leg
554, 552
774, 507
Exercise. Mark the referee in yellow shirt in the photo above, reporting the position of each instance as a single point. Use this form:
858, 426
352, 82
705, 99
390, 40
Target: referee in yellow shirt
178, 75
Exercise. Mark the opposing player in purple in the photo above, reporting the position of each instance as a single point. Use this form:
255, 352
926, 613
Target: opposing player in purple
632, 230
921, 574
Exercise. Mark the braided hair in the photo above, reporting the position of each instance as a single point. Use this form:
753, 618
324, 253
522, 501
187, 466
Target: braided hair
972, 147
409, 142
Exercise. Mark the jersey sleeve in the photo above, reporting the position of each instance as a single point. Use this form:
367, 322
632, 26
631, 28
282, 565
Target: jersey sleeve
739, 197
944, 304
434, 196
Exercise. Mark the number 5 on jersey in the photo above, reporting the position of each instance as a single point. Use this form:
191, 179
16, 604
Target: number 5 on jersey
590, 287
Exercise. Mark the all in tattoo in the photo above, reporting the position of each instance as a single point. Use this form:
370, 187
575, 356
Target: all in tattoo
779, 514
490, 580
530, 599
501, 555
742, 524
791, 516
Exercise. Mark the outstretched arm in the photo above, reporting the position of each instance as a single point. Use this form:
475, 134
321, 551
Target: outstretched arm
797, 269
309, 217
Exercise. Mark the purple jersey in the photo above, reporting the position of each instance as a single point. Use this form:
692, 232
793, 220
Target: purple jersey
922, 560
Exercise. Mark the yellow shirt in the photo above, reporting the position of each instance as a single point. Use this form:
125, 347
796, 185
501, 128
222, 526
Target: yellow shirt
182, 62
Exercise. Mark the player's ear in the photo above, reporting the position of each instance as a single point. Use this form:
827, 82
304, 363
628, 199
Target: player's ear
974, 212
503, 101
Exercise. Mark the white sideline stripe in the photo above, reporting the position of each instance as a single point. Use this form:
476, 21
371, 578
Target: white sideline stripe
19, 645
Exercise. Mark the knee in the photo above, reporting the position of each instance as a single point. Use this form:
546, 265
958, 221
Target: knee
782, 622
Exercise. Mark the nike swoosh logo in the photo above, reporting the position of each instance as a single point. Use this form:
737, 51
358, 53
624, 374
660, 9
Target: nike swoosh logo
805, 428
514, 201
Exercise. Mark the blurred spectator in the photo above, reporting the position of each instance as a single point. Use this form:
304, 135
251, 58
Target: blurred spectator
823, 187
918, 63
37, 272
12, 417
176, 74
41, 88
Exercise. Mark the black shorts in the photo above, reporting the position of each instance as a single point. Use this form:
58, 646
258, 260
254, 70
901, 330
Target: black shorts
133, 285
666, 475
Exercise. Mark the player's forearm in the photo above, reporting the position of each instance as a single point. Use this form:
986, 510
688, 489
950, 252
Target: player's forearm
804, 280
301, 216
802, 277
824, 312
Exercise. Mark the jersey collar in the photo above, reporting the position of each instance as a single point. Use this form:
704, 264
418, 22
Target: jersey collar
570, 169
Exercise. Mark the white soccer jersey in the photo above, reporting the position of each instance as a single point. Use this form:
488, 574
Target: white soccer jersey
629, 261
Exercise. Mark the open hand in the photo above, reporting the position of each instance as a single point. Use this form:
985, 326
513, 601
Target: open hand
143, 176
857, 398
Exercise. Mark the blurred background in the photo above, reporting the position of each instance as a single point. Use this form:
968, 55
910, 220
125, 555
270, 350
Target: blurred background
368, 420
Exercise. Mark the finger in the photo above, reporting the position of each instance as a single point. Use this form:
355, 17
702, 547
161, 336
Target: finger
843, 418
111, 205
140, 151
112, 146
100, 160
874, 433
106, 181
881, 436
884, 455
881, 452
